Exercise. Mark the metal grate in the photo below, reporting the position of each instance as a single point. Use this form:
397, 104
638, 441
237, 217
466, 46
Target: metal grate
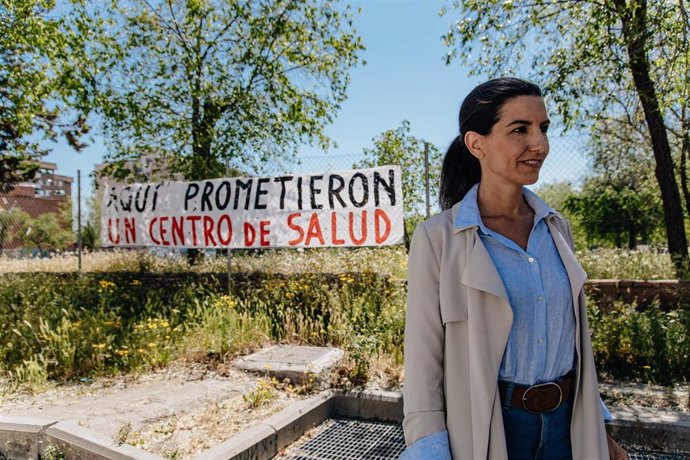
652, 455
345, 439
354, 440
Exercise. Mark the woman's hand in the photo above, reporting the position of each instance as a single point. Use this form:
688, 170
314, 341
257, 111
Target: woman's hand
616, 452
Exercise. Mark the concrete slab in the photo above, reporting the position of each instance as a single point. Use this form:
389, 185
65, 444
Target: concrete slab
78, 443
132, 401
20, 436
652, 428
382, 406
264, 440
291, 423
291, 361
255, 443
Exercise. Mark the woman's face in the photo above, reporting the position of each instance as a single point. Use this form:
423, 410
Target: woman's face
515, 148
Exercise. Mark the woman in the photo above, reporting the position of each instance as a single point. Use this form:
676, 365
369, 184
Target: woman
498, 360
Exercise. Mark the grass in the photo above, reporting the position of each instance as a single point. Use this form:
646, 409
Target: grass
601, 263
648, 346
264, 393
61, 326
391, 260
609, 263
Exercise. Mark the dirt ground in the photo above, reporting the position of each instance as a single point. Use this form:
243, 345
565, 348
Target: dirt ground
675, 399
180, 411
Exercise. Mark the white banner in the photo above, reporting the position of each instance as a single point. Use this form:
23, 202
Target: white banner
349, 208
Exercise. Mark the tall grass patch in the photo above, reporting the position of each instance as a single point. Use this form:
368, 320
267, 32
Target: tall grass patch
89, 325
61, 327
645, 345
387, 260
612, 263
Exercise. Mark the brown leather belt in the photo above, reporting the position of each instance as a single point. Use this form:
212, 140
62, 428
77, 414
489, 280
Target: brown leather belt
541, 397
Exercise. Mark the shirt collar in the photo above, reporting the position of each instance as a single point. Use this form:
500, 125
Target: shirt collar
468, 210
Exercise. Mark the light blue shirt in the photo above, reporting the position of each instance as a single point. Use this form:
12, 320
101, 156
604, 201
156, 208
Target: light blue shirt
436, 446
541, 345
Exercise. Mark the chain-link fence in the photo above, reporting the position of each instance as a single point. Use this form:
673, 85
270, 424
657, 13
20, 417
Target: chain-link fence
36, 216
567, 161
120, 310
39, 219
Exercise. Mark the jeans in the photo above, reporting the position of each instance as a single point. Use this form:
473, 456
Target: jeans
544, 436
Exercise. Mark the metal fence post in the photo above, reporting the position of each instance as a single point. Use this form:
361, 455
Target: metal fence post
79, 219
426, 179
227, 173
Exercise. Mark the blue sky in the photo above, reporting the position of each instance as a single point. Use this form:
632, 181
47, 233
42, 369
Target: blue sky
405, 78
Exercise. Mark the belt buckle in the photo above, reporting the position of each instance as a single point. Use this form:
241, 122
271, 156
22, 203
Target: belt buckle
537, 386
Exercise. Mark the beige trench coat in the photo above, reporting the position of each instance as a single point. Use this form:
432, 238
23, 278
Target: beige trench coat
457, 326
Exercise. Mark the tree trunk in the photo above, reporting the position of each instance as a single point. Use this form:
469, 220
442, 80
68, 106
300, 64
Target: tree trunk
684, 151
632, 239
633, 17
203, 164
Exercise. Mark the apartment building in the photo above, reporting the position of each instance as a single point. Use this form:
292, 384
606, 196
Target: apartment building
41, 195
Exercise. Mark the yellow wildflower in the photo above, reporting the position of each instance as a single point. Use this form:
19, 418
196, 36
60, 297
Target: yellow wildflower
105, 284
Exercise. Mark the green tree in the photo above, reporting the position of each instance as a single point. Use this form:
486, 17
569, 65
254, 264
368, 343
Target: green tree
399, 147
620, 150
616, 213
38, 91
557, 195
12, 226
207, 83
89, 236
15, 168
587, 54
91, 231
51, 230
619, 203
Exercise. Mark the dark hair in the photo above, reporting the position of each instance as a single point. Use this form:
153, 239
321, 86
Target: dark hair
479, 112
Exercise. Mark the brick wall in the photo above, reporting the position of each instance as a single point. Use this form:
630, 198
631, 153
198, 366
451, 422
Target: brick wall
670, 293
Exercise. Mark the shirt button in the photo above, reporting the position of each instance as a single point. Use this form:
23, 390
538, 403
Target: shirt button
531, 260
540, 341
540, 298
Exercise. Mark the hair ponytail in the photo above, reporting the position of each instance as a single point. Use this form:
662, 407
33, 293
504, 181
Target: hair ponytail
479, 113
459, 173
